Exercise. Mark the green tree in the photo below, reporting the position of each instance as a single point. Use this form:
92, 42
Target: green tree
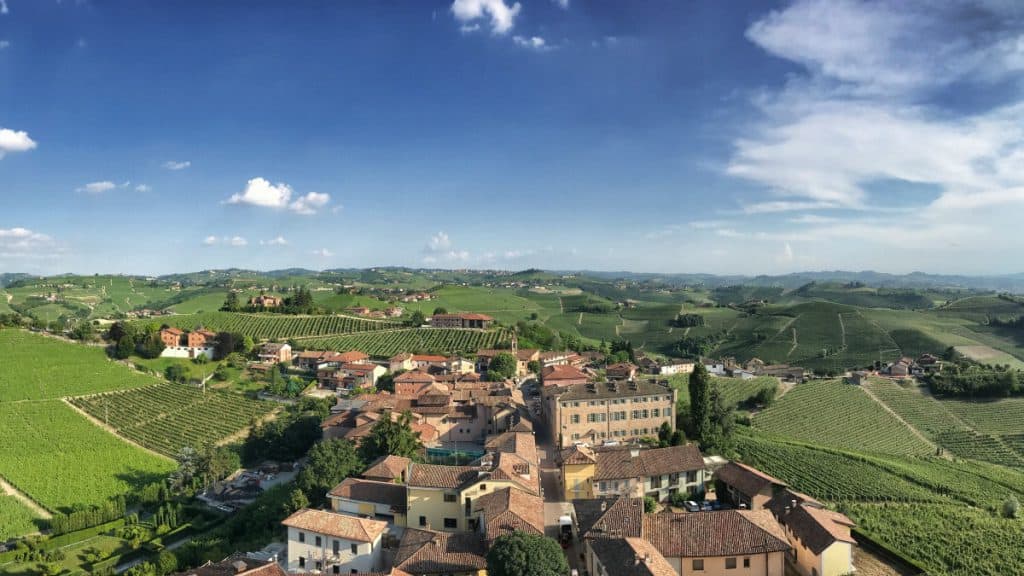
217, 462
526, 554
533, 366
297, 500
152, 345
125, 347
650, 504
230, 302
440, 310
417, 319
188, 468
166, 563
700, 403
1011, 507
330, 462
501, 367
391, 436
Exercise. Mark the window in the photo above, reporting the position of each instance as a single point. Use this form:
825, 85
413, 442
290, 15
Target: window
591, 417
655, 481
483, 487
746, 562
646, 414
655, 412
302, 562
423, 520
698, 564
451, 523
730, 563
302, 536
354, 548
691, 476
319, 541
602, 486
336, 547
575, 436
450, 498
575, 418
336, 569
636, 414
319, 565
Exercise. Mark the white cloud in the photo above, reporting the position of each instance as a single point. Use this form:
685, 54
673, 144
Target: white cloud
3, 7
210, 240
439, 242
278, 241
310, 203
439, 248
24, 243
175, 165
563, 4
235, 241
143, 188
323, 253
14, 141
97, 187
238, 241
502, 16
533, 43
260, 192
5, 44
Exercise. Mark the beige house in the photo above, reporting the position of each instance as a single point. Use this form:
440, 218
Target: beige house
323, 541
747, 487
272, 353
595, 413
821, 539
631, 471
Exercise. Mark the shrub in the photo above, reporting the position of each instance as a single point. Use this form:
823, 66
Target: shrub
1011, 507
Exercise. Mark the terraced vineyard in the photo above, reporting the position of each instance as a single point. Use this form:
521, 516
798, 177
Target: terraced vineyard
830, 413
168, 417
275, 326
384, 343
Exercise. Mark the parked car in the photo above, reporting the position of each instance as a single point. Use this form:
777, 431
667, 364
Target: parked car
691, 506
705, 506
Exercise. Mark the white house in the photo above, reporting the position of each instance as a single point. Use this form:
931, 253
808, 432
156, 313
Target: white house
333, 543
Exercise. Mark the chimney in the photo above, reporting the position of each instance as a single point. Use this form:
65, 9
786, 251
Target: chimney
634, 452
239, 566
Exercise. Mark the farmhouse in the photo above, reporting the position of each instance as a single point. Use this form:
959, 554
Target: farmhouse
272, 353
746, 487
180, 344
319, 540
621, 371
265, 301
465, 320
822, 544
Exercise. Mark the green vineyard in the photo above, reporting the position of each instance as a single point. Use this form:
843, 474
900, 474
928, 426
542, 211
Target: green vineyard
416, 340
167, 417
274, 326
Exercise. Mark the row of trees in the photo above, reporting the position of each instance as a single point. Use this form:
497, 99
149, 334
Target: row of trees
299, 302
129, 339
711, 419
973, 380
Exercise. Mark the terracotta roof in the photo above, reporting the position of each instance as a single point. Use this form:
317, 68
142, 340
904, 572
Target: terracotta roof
721, 533
619, 463
508, 510
334, 524
428, 358
351, 356
609, 517
400, 357
630, 557
815, 526
527, 354
522, 444
389, 467
427, 552
562, 372
414, 376
578, 455
172, 330
437, 476
749, 481
523, 425
627, 366
386, 493
236, 565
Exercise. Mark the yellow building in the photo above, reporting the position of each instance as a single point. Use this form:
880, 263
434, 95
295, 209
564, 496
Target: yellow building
371, 499
596, 413
631, 471
821, 539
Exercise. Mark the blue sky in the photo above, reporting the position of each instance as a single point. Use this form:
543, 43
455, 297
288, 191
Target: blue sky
152, 137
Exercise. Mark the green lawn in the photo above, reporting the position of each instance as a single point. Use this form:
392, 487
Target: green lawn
36, 367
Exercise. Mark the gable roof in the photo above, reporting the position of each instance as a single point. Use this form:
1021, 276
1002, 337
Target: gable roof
438, 476
562, 372
338, 525
749, 481
600, 390
578, 455
721, 533
619, 463
630, 557
428, 552
815, 526
236, 565
386, 493
509, 510
389, 467
604, 517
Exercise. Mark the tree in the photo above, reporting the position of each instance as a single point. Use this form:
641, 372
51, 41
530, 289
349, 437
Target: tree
417, 319
230, 302
533, 366
700, 402
502, 367
650, 504
526, 554
723, 420
297, 500
391, 436
217, 462
440, 310
125, 347
1011, 507
166, 562
152, 345
386, 383
188, 466
330, 462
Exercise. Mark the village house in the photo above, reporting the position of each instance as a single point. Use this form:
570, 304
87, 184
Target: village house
401, 361
523, 358
171, 336
607, 411
746, 487
465, 320
236, 565
349, 376
621, 371
266, 301
627, 557
315, 360
384, 501
429, 553
181, 344
328, 542
393, 311
272, 353
388, 468
632, 471
413, 384
508, 510
358, 310
427, 361
822, 544
676, 366
563, 375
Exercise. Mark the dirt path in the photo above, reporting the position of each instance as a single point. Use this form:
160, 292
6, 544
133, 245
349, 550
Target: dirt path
842, 330
795, 344
113, 430
24, 499
579, 322
885, 406
244, 432
561, 307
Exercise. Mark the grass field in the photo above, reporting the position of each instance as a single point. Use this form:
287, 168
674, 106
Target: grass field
273, 326
60, 459
830, 413
168, 417
505, 304
385, 343
734, 390
36, 367
15, 519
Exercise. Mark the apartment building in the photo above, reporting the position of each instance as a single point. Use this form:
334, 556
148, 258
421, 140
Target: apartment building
597, 413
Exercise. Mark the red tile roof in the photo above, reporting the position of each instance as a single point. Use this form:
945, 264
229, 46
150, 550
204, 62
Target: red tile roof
722, 533
426, 552
749, 481
338, 525
387, 467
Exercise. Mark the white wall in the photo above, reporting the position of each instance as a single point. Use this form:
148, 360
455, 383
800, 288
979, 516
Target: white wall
367, 557
186, 352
